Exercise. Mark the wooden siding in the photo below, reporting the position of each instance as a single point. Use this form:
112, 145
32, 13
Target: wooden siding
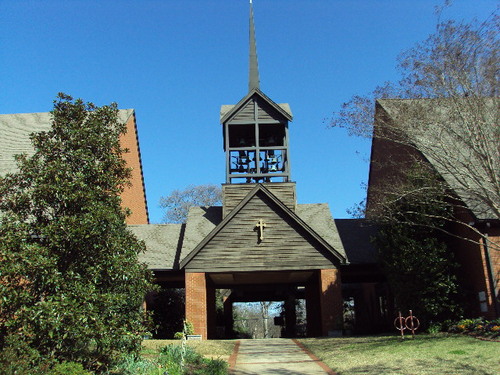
286, 245
266, 112
234, 194
246, 113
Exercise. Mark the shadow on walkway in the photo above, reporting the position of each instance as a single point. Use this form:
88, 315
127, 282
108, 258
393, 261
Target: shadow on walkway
275, 357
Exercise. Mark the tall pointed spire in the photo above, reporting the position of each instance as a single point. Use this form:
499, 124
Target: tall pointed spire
253, 77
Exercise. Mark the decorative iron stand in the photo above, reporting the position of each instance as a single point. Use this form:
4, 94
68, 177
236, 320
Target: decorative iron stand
410, 323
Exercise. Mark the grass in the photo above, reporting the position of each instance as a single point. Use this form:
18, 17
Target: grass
208, 348
426, 354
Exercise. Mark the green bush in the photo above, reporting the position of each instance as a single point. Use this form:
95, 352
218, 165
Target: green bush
131, 365
69, 368
178, 335
188, 329
215, 367
435, 328
194, 363
17, 357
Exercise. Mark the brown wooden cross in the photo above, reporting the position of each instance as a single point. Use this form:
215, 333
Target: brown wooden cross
260, 226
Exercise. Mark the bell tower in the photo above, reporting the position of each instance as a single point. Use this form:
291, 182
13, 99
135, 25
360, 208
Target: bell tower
255, 131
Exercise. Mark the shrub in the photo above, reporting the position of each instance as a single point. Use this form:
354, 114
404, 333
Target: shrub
178, 335
435, 328
130, 365
216, 367
17, 357
69, 368
187, 330
172, 356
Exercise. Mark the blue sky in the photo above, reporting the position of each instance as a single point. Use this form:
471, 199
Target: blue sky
177, 61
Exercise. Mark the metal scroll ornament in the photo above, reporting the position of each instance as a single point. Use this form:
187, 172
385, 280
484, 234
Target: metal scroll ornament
410, 323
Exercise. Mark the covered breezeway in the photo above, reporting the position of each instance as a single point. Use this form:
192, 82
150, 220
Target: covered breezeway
320, 288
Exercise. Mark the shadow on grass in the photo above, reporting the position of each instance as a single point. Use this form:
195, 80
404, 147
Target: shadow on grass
448, 366
378, 341
444, 367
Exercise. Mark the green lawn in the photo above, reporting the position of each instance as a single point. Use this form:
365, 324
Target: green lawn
426, 354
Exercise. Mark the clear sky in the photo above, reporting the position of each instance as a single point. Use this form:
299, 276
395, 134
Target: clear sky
177, 61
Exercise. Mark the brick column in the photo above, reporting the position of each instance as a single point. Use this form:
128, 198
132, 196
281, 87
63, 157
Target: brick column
330, 301
196, 302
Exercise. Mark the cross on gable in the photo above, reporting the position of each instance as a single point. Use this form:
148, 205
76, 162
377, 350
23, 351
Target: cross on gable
260, 227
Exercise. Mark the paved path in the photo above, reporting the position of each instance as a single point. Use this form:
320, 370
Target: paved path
275, 357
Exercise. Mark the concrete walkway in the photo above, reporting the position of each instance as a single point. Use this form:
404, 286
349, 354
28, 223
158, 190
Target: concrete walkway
275, 357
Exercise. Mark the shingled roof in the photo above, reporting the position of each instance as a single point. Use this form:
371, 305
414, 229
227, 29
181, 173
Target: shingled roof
436, 129
163, 243
15, 130
356, 235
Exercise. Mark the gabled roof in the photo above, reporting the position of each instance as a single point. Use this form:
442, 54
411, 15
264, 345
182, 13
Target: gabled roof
200, 222
15, 130
337, 251
227, 111
356, 235
437, 132
163, 242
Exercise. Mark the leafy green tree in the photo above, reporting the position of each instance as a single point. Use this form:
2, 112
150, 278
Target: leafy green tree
420, 268
71, 284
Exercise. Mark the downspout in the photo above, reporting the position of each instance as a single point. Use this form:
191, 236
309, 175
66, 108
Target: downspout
491, 275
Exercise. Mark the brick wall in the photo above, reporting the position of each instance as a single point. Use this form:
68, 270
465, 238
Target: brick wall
134, 196
196, 302
473, 272
331, 300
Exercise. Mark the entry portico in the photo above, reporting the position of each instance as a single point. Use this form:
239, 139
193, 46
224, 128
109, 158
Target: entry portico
291, 260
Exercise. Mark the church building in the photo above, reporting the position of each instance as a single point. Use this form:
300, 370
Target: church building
261, 244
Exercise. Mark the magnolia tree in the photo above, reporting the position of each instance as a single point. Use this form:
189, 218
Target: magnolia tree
71, 284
